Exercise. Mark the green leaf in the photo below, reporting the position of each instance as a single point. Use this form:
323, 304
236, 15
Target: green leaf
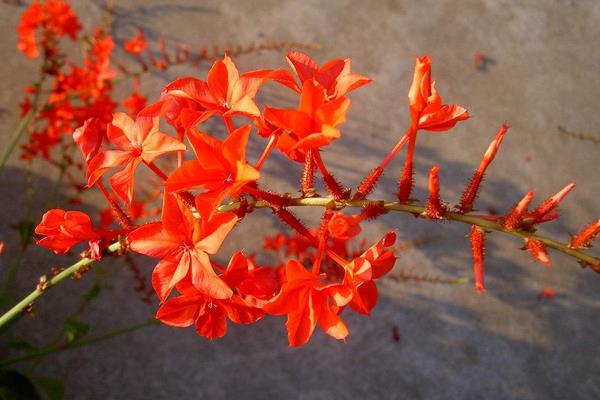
16, 386
75, 330
52, 387
25, 227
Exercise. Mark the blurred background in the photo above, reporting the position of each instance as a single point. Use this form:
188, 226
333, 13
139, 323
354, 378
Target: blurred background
531, 64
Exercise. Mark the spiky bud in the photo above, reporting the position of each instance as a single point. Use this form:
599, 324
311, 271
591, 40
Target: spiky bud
585, 236
514, 218
478, 251
538, 215
537, 250
470, 193
372, 210
367, 185
434, 207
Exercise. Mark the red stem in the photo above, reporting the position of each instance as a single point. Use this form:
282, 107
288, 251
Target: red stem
274, 199
293, 222
403, 140
323, 236
369, 182
334, 187
122, 217
406, 181
157, 170
229, 124
266, 152
308, 174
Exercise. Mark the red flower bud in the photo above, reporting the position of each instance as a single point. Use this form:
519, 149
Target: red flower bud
478, 250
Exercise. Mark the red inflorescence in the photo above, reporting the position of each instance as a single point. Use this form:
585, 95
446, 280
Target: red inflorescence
318, 272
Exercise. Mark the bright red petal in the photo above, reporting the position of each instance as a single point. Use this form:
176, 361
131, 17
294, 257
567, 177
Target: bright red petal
302, 322
180, 311
212, 324
304, 66
205, 279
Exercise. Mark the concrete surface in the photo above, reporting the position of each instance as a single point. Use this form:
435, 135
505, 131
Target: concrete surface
455, 344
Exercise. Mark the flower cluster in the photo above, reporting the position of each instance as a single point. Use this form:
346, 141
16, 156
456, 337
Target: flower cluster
71, 89
206, 185
318, 274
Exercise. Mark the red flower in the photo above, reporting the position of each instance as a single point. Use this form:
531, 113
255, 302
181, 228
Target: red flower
183, 244
426, 104
89, 137
307, 301
374, 263
138, 140
135, 103
313, 125
220, 168
209, 315
226, 91
138, 44
64, 229
344, 227
336, 76
55, 16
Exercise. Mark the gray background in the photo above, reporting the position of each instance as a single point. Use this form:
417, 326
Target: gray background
455, 343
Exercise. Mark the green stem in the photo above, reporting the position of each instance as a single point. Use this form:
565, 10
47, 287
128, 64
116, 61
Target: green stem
18, 308
80, 343
21, 128
24, 123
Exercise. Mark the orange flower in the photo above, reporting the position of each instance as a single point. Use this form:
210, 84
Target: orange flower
138, 140
307, 301
336, 76
64, 229
374, 263
56, 17
135, 103
226, 91
220, 168
344, 227
313, 125
209, 315
183, 244
138, 44
426, 104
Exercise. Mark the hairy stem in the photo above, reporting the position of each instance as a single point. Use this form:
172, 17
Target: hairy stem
419, 209
18, 308
328, 202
